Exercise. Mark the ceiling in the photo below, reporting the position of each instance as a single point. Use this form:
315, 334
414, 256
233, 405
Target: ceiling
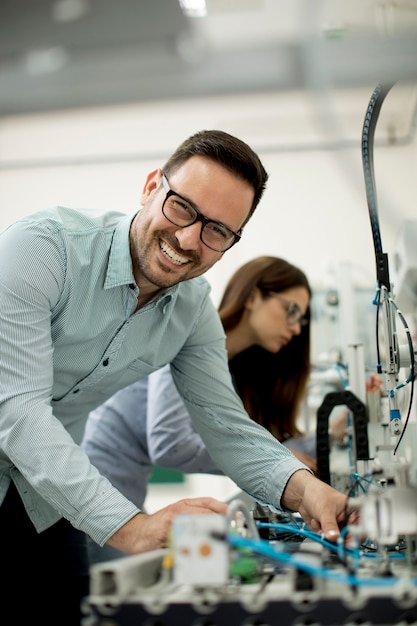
65, 54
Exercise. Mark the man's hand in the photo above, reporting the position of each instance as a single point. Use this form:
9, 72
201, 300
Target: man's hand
322, 507
144, 532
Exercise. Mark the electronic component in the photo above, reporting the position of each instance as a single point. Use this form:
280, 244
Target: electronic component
200, 554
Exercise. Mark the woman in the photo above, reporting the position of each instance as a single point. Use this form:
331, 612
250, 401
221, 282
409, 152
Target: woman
265, 311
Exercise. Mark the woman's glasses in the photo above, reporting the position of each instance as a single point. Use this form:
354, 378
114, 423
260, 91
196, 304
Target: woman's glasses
292, 310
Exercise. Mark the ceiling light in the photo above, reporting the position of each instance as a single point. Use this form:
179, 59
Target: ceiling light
193, 8
69, 10
46, 60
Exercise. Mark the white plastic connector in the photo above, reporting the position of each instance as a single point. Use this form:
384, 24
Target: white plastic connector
200, 550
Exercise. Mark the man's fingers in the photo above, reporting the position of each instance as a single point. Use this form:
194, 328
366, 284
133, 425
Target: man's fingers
206, 505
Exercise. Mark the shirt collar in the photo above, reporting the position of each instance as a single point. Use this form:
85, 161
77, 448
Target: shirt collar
119, 269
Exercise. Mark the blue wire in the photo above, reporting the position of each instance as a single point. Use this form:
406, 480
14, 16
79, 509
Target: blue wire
261, 546
319, 538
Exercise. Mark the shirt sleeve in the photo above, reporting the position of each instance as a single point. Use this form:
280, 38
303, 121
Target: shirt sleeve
242, 449
32, 439
172, 439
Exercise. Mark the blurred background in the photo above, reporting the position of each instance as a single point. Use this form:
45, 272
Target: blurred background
94, 94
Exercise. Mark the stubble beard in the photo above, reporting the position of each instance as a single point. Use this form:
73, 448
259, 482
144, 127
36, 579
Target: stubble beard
165, 277
143, 261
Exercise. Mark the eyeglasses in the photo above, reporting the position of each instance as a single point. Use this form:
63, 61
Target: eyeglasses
182, 213
292, 310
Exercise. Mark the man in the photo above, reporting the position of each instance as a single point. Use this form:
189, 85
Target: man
91, 302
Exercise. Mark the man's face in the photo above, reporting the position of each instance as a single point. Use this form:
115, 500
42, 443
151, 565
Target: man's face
164, 254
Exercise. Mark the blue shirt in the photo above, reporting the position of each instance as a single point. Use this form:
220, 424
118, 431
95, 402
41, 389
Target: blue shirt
147, 424
70, 338
143, 425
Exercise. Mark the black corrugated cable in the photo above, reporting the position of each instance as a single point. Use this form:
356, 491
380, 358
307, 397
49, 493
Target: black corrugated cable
368, 133
381, 259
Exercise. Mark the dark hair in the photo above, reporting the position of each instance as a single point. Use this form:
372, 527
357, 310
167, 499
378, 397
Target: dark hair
227, 150
271, 386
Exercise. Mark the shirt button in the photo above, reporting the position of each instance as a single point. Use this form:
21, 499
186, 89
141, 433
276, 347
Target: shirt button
76, 391
132, 286
106, 362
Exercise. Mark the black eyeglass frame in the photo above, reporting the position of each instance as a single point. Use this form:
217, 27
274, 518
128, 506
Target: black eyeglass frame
199, 217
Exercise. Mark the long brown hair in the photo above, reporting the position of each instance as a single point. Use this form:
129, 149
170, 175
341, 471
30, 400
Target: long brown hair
271, 386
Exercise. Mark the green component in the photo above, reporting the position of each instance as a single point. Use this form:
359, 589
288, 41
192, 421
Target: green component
245, 568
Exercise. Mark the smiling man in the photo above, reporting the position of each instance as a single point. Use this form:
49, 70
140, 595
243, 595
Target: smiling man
166, 245
92, 302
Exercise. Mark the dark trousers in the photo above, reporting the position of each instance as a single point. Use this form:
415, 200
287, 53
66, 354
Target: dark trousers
44, 575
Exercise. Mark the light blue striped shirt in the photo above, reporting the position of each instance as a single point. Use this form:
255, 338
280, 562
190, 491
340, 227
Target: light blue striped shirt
70, 338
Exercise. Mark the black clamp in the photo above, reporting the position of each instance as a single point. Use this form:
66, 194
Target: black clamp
360, 424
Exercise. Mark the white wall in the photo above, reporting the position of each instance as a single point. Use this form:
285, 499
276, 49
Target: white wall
314, 212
